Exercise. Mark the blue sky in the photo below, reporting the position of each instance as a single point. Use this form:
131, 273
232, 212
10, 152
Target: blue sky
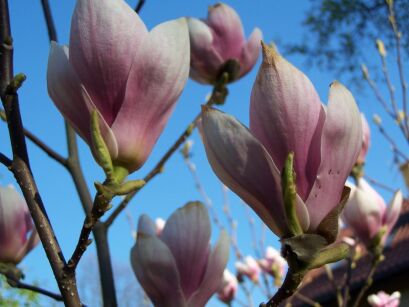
279, 20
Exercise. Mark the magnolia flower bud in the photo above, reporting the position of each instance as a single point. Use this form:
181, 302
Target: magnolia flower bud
218, 45
366, 140
273, 264
130, 76
382, 299
178, 267
287, 119
228, 287
17, 232
249, 268
367, 214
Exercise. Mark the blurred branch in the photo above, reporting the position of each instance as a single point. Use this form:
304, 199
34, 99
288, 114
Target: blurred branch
5, 160
397, 36
379, 184
139, 6
369, 279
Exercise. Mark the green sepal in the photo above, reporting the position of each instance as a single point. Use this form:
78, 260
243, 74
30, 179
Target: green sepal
289, 190
330, 254
329, 226
100, 148
304, 247
109, 190
376, 245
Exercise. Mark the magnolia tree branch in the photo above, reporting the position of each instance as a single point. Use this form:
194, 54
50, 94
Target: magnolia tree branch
13, 276
72, 163
39, 143
20, 162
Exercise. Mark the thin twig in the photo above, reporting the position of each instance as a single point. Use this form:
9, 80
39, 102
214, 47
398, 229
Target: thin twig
306, 299
369, 280
379, 96
21, 167
391, 90
336, 288
397, 37
392, 143
139, 6
39, 143
379, 184
6, 160
199, 187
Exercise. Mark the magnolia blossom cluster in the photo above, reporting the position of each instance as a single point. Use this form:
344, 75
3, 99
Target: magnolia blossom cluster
18, 235
133, 77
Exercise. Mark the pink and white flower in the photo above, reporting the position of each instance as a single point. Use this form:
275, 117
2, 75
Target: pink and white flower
273, 263
382, 299
218, 39
286, 115
131, 76
228, 288
249, 268
18, 235
178, 267
367, 214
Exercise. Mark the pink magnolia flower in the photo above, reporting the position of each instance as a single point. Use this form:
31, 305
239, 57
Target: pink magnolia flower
178, 267
382, 299
132, 77
249, 267
366, 140
366, 211
17, 232
286, 115
218, 39
228, 287
273, 263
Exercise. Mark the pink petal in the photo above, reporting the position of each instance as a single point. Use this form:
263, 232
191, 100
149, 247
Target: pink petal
146, 225
187, 234
393, 211
157, 78
14, 225
285, 115
71, 98
105, 36
205, 60
366, 139
227, 31
214, 272
250, 52
156, 270
32, 240
362, 213
243, 164
340, 146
